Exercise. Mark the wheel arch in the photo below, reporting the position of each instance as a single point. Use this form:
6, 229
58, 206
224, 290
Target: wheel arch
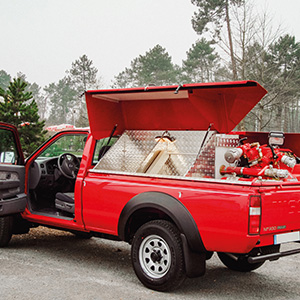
149, 206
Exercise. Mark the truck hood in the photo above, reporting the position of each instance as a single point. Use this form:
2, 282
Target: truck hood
186, 107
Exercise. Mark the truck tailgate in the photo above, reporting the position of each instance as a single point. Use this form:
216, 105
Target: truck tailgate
281, 212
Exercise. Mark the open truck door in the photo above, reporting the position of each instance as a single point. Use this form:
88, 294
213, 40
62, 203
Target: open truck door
12, 172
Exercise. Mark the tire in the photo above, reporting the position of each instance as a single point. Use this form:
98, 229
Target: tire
157, 256
6, 227
240, 264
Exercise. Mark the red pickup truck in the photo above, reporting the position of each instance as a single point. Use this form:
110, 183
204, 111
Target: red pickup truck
161, 169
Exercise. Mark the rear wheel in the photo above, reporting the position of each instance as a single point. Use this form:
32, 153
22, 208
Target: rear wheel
238, 262
6, 227
157, 256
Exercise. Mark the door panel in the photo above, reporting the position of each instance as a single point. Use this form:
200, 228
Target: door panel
12, 172
12, 197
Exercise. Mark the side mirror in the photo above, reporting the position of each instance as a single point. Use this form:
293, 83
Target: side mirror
276, 138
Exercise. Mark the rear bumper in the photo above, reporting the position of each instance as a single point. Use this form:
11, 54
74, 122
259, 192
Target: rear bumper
272, 256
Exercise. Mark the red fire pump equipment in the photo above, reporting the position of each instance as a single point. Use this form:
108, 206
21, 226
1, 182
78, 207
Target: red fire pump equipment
266, 161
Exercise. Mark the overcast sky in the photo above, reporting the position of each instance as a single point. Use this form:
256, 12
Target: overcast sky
41, 38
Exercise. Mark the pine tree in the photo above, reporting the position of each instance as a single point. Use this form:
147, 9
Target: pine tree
20, 109
62, 98
82, 76
215, 14
201, 64
155, 67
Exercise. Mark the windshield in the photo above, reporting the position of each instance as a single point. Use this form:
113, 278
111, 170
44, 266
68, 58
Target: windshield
70, 143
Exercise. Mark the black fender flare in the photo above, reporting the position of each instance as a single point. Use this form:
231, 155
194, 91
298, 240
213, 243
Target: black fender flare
171, 207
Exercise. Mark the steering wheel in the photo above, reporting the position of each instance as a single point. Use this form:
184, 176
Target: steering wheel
68, 164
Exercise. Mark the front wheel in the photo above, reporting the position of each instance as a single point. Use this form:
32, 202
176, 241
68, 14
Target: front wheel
6, 228
157, 256
238, 262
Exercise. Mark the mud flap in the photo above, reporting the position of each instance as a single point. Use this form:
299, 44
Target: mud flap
195, 262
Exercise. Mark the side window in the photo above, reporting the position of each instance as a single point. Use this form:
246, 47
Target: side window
8, 148
68, 143
102, 147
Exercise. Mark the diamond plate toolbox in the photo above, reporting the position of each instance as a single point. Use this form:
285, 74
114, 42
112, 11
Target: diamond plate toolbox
167, 153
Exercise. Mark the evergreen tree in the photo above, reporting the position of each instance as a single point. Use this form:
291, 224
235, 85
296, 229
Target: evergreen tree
277, 69
37, 95
18, 108
155, 67
284, 60
82, 76
62, 98
39, 98
215, 14
201, 63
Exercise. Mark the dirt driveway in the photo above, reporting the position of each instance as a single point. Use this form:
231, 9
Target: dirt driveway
50, 264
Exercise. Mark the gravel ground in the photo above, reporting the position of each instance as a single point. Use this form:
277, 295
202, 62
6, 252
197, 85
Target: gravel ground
50, 264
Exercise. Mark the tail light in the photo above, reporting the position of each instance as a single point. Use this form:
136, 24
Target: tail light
254, 214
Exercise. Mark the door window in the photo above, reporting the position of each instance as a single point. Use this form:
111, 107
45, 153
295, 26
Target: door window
8, 148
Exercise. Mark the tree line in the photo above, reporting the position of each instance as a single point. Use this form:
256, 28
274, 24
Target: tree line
234, 44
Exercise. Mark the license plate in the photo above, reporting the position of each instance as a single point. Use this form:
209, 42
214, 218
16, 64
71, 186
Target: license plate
286, 237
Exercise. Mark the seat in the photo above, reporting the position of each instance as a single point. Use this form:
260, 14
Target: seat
65, 202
